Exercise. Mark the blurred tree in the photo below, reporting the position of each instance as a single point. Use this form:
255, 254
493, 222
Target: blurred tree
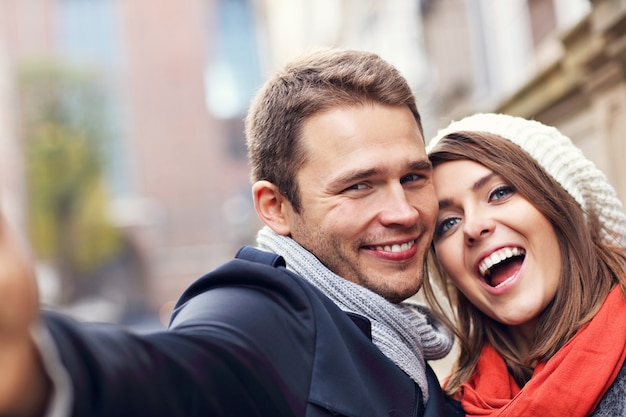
63, 124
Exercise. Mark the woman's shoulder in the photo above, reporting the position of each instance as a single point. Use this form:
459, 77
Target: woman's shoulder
613, 404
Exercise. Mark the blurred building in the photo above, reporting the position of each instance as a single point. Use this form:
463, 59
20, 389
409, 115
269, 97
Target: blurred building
11, 182
178, 78
390, 28
561, 62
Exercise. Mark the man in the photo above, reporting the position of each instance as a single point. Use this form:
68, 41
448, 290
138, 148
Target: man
314, 323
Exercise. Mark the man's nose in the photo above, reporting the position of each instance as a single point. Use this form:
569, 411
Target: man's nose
398, 209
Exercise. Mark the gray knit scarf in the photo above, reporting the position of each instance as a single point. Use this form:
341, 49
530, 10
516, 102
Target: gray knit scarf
405, 332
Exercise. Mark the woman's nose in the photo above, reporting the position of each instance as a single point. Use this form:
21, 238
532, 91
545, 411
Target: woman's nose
477, 227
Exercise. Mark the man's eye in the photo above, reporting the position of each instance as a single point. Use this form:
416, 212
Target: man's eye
356, 187
411, 178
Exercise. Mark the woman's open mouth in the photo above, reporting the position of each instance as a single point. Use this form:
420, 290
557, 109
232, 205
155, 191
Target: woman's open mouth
501, 265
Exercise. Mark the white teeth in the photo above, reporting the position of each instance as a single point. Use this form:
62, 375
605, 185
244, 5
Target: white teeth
497, 257
396, 247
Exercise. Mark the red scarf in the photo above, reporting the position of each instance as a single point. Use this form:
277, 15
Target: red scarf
571, 383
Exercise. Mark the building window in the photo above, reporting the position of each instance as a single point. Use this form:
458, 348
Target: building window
89, 40
233, 71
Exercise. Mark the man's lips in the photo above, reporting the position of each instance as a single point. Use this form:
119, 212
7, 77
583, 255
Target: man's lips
400, 251
395, 247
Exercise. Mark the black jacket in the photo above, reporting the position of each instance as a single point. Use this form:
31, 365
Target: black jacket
247, 339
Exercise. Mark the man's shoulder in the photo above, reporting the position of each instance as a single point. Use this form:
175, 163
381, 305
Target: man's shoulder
251, 269
257, 284
253, 283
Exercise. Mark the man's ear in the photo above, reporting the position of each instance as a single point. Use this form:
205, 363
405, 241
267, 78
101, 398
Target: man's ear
271, 206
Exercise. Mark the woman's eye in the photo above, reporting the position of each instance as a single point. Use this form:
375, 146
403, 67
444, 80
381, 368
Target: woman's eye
445, 225
501, 192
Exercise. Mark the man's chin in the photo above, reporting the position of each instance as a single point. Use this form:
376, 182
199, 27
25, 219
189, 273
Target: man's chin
397, 295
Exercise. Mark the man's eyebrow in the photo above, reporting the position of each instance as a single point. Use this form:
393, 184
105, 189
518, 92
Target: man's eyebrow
446, 202
360, 174
352, 176
421, 165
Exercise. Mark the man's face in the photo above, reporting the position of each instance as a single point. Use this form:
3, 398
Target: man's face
368, 203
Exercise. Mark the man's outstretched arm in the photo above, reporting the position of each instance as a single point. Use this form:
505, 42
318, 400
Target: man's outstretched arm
24, 385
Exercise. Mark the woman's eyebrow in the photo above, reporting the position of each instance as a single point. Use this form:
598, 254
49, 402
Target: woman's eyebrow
447, 202
482, 181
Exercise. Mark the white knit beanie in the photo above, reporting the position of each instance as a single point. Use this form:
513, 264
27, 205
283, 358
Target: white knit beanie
561, 159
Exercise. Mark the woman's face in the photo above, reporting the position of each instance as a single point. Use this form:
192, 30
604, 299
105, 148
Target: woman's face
497, 248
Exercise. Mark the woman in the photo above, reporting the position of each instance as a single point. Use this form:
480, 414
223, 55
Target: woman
529, 250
